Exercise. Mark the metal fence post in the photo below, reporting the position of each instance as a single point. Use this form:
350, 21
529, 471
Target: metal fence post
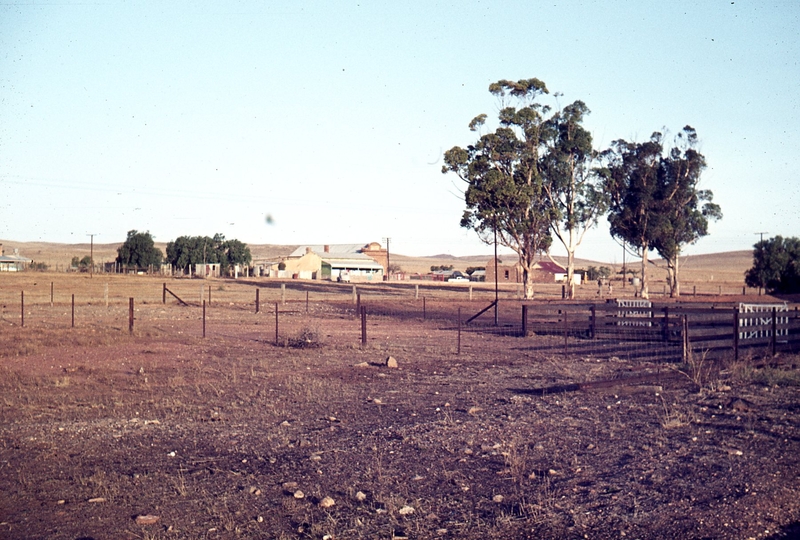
22, 308
73, 311
204, 318
258, 303
276, 324
774, 330
130, 315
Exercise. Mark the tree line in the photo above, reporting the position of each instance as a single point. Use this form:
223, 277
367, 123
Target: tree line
138, 252
537, 177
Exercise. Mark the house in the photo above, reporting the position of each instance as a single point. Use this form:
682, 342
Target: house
511, 272
13, 263
350, 262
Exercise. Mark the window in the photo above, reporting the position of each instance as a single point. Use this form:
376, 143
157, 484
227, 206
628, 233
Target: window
506, 274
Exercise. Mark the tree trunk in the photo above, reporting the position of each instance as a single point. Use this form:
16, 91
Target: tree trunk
672, 278
527, 278
571, 274
645, 290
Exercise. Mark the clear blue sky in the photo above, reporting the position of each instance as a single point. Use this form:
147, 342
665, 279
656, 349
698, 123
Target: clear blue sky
192, 117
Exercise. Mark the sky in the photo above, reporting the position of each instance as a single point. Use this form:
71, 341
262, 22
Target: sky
198, 117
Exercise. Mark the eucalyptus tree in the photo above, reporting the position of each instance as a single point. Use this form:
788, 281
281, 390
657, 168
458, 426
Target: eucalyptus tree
505, 196
655, 200
573, 188
683, 210
630, 177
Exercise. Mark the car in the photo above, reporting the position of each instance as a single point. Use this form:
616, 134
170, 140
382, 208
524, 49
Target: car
458, 279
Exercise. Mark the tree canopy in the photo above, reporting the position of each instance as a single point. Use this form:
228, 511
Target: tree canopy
139, 251
571, 183
654, 198
776, 265
504, 194
531, 179
188, 250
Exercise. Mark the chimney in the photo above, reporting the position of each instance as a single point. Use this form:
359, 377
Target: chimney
308, 250
327, 248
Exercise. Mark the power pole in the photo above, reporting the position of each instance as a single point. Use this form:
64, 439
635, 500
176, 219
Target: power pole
388, 261
762, 235
91, 255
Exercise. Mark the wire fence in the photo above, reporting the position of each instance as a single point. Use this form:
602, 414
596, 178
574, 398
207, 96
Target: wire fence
433, 317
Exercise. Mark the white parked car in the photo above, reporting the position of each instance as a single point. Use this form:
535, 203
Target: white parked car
458, 279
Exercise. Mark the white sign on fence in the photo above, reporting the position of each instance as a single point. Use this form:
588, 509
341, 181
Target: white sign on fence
643, 311
764, 318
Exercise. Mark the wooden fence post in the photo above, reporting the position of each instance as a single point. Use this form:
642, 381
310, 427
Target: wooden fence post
130, 315
665, 327
566, 335
73, 311
774, 330
736, 333
306, 301
204, 318
276, 324
258, 302
363, 325
416, 291
22, 308
685, 335
524, 319
593, 322
424, 309
358, 303
51, 294
209, 295
164, 293
459, 329
283, 293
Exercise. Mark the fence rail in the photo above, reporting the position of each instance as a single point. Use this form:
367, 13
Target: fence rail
631, 328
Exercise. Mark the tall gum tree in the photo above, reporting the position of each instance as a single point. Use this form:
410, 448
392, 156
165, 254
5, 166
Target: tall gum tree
683, 210
630, 178
571, 184
505, 194
655, 203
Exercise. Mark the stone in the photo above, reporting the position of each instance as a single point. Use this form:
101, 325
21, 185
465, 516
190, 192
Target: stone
361, 365
147, 519
298, 494
391, 362
97, 500
289, 486
326, 502
474, 410
497, 498
406, 510
361, 496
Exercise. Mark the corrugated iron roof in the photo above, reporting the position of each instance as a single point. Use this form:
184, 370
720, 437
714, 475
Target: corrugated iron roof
333, 250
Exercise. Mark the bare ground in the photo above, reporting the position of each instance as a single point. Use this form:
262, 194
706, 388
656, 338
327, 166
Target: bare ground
215, 436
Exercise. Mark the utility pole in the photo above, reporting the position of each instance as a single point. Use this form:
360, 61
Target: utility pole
91, 255
388, 261
761, 234
496, 287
